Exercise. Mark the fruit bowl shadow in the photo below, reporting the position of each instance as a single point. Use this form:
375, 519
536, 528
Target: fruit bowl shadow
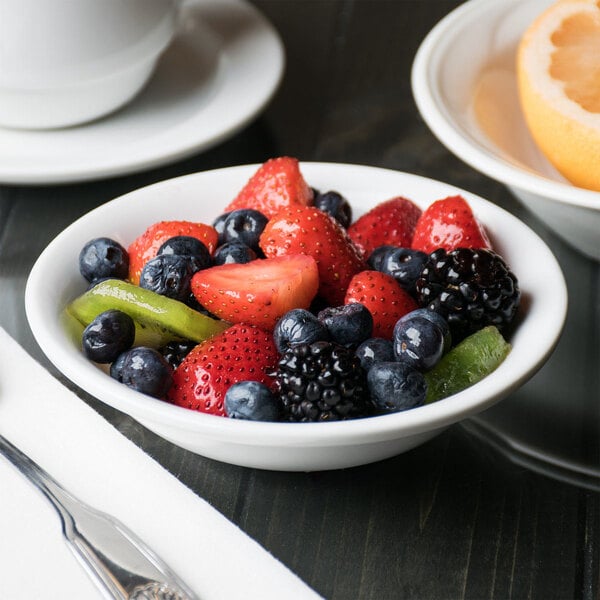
470, 102
55, 280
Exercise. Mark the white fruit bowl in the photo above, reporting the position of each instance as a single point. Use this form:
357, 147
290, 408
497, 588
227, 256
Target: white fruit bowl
465, 87
55, 280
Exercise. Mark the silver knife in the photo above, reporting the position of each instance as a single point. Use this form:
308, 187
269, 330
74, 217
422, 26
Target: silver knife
122, 565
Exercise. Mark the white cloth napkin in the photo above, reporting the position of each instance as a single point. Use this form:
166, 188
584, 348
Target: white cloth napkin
98, 464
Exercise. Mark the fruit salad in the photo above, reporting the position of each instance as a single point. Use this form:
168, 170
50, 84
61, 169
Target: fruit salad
286, 308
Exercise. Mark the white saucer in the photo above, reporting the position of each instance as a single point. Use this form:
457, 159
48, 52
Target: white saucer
220, 72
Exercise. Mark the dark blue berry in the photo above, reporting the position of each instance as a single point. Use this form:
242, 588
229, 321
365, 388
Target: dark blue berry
233, 252
251, 400
244, 225
335, 205
404, 265
375, 350
145, 370
419, 342
298, 326
169, 275
436, 318
108, 335
174, 352
377, 257
219, 225
395, 386
103, 258
185, 245
348, 325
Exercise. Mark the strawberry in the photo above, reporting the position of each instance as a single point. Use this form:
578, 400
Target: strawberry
307, 230
449, 224
260, 291
145, 247
241, 352
277, 183
389, 223
383, 296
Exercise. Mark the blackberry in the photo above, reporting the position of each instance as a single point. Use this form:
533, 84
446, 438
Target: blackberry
174, 352
469, 287
322, 381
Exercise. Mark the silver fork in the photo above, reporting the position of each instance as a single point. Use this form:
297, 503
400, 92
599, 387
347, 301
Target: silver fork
119, 562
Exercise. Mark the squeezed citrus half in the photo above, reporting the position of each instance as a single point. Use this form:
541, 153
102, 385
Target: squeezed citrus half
558, 66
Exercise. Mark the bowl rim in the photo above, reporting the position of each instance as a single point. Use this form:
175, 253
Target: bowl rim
434, 112
47, 332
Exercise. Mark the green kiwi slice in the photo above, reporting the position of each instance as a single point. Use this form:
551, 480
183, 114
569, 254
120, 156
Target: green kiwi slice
468, 362
158, 319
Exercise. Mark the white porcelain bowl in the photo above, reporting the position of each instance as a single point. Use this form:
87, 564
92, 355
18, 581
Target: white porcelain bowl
65, 62
465, 87
55, 280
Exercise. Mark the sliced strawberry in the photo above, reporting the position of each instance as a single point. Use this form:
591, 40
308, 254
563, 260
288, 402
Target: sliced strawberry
242, 352
145, 247
449, 223
258, 292
307, 230
389, 223
277, 183
384, 298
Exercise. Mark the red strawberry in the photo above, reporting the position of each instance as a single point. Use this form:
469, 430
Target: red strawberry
391, 222
307, 230
383, 296
449, 224
276, 184
242, 352
260, 291
145, 247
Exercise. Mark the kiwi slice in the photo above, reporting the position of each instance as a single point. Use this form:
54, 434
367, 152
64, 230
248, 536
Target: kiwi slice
158, 319
468, 362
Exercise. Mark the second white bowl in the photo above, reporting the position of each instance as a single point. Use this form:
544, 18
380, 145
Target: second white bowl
465, 87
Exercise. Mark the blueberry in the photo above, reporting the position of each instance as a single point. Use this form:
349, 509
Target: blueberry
219, 225
419, 342
436, 318
233, 252
174, 352
168, 275
404, 265
108, 335
395, 386
375, 350
251, 400
185, 245
377, 257
145, 370
244, 225
348, 325
334, 204
103, 258
298, 326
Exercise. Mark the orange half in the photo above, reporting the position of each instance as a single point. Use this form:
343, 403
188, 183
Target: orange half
558, 67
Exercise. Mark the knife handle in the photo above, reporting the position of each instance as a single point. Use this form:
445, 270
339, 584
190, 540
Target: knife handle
120, 563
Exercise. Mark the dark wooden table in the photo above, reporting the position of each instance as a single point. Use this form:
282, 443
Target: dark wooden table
464, 516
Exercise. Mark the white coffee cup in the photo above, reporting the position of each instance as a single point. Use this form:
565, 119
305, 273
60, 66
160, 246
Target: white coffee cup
65, 62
